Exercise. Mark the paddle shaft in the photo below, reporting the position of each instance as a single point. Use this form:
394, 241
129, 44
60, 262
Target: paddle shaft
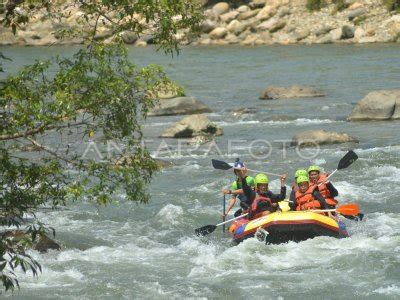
257, 171
327, 178
230, 220
223, 218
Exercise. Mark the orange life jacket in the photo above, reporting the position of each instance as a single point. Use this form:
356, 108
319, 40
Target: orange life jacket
323, 189
306, 201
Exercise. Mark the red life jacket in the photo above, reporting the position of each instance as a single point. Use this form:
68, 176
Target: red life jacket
323, 189
306, 201
259, 199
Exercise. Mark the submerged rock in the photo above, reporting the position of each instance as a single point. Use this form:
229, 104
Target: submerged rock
179, 106
378, 105
320, 137
191, 126
295, 91
19, 238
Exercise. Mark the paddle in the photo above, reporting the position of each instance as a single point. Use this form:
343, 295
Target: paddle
221, 165
350, 209
223, 218
345, 162
207, 229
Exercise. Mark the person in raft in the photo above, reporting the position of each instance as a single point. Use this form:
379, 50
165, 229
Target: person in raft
262, 199
299, 172
326, 189
236, 190
307, 196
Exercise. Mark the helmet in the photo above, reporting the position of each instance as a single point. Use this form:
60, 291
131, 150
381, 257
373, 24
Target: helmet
314, 168
261, 178
301, 179
300, 172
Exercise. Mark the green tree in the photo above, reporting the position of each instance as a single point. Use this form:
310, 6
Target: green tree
96, 92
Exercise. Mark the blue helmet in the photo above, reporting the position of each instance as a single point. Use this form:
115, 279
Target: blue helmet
238, 164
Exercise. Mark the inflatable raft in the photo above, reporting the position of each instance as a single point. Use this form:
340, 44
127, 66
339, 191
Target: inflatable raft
282, 227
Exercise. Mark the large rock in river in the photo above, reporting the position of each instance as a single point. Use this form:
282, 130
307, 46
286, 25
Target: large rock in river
294, 91
179, 106
190, 126
19, 238
377, 105
320, 137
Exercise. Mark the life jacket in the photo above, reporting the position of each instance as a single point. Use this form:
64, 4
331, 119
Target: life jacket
259, 199
324, 191
306, 201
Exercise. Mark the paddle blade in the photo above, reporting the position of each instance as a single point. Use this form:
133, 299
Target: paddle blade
347, 160
220, 165
348, 209
205, 230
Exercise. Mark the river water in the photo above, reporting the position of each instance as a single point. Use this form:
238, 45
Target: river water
149, 251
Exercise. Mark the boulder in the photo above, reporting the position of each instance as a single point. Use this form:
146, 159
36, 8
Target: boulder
266, 13
322, 30
162, 164
294, 91
320, 137
191, 126
356, 13
220, 8
179, 106
257, 3
377, 105
19, 238
248, 14
347, 32
207, 26
272, 25
129, 37
243, 8
236, 27
326, 39
229, 16
359, 33
336, 34
368, 39
218, 33
301, 34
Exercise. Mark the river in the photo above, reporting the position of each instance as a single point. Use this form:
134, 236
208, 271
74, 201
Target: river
149, 251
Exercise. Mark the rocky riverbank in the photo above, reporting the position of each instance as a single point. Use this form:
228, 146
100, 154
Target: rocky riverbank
256, 22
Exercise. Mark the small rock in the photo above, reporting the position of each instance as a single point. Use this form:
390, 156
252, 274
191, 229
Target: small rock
191, 126
250, 40
355, 5
218, 33
320, 137
284, 11
140, 43
200, 140
220, 8
294, 91
179, 106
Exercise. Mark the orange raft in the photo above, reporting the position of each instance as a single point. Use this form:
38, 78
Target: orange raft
282, 227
